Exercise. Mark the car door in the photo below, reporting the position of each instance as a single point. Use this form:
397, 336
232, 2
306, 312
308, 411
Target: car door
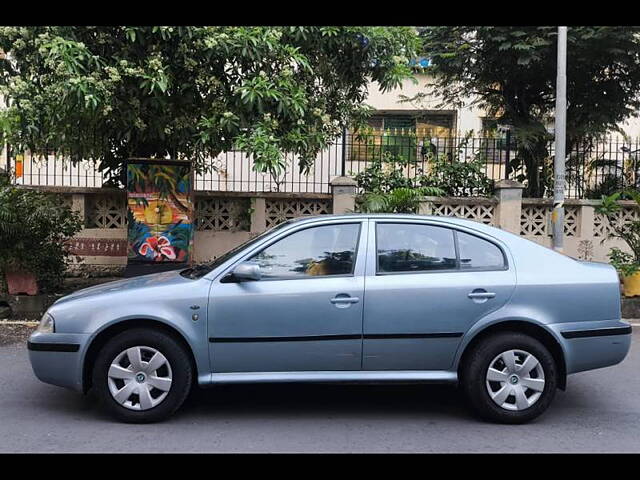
304, 314
426, 284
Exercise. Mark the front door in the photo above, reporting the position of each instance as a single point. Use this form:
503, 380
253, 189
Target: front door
305, 314
427, 284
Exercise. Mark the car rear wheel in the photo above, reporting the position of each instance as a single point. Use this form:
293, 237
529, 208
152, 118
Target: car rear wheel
142, 376
509, 377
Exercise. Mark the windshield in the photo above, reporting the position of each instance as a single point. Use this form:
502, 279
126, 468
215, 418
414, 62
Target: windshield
201, 269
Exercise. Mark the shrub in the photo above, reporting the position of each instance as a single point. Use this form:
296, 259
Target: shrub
387, 187
384, 174
629, 232
398, 200
458, 179
34, 229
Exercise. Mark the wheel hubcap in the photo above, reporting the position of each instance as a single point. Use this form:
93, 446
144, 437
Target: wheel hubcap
515, 380
139, 378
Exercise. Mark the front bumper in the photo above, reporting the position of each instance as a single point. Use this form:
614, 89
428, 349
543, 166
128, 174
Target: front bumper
591, 345
56, 358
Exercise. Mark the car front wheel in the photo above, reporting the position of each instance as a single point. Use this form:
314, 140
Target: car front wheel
509, 377
142, 375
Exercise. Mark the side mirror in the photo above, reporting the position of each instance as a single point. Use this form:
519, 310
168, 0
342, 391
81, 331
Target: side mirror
246, 271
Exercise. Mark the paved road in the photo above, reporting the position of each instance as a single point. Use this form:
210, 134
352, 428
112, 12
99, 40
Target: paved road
600, 412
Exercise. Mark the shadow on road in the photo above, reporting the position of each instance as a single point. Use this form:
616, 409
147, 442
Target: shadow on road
283, 400
323, 399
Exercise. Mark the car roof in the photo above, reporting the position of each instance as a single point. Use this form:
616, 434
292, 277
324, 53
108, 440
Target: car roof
471, 224
392, 216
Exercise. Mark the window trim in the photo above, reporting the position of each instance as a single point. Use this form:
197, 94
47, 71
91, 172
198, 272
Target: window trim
305, 277
454, 231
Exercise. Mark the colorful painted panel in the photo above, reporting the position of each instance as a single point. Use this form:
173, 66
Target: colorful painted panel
160, 213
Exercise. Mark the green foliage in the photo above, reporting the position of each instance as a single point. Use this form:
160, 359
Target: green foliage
511, 71
623, 262
34, 228
458, 179
386, 172
629, 232
112, 92
398, 200
393, 184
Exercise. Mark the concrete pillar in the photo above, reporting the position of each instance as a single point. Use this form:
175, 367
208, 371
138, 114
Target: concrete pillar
586, 219
79, 205
258, 215
425, 208
509, 208
343, 190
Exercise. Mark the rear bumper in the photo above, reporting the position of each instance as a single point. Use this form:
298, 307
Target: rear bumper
591, 345
57, 358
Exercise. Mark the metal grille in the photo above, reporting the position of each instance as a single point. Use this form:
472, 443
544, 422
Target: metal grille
594, 168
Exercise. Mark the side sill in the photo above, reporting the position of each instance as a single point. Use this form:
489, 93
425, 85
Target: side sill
418, 376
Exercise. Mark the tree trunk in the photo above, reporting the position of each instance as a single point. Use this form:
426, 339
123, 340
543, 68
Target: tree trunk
533, 158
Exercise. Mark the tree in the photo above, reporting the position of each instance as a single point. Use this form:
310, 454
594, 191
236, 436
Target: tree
511, 71
109, 93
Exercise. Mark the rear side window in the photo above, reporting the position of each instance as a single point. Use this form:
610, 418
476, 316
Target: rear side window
406, 247
478, 253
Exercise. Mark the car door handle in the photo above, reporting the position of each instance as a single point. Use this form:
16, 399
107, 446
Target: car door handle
335, 300
473, 295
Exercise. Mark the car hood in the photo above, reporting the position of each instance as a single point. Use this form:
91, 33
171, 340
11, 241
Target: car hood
144, 281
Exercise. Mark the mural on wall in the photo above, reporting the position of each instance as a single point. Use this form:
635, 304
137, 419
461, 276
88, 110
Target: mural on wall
160, 211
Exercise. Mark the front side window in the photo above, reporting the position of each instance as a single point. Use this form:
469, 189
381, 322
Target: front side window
478, 253
316, 251
405, 247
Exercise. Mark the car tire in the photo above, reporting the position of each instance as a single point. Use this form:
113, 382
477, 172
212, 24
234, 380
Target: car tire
130, 394
485, 390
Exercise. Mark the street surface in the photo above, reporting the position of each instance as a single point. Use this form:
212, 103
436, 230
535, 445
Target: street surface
599, 412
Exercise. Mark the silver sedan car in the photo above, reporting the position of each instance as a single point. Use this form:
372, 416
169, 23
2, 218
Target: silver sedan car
351, 298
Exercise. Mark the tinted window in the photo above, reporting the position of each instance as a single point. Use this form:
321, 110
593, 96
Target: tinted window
404, 247
478, 253
316, 251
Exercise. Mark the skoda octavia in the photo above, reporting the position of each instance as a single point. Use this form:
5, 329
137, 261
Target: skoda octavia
352, 298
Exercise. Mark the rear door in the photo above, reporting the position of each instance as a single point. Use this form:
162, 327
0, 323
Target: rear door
426, 284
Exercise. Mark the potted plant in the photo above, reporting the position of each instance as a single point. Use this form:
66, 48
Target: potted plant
627, 263
34, 230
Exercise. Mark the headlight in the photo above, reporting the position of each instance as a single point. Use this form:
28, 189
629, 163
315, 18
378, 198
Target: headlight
47, 325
